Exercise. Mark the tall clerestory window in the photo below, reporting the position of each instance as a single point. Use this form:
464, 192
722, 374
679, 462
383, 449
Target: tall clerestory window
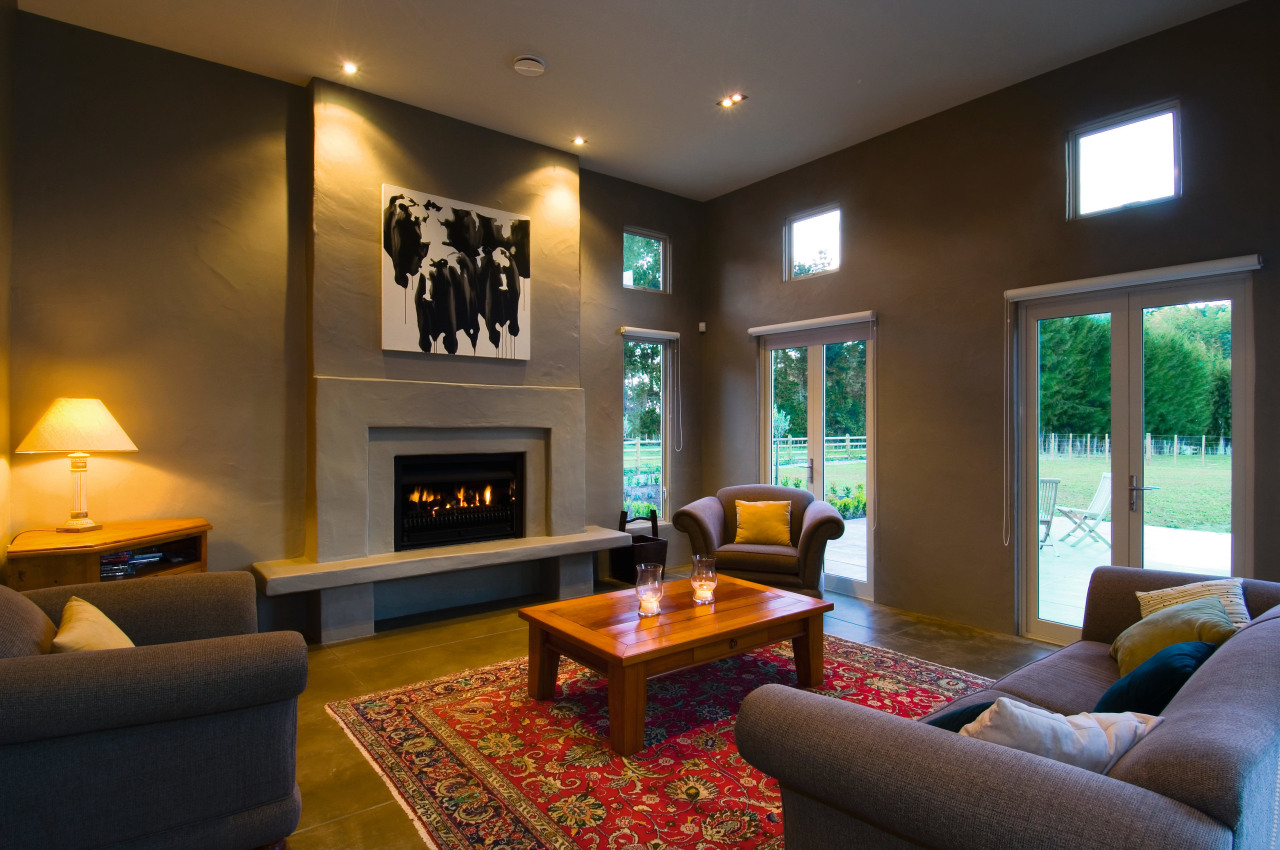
812, 243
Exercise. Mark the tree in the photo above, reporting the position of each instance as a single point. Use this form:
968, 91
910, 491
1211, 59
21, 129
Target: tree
642, 256
1075, 375
846, 388
790, 388
1175, 391
642, 390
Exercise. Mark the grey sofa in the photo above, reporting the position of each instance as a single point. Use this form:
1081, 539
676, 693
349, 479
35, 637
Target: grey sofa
1207, 777
711, 524
186, 740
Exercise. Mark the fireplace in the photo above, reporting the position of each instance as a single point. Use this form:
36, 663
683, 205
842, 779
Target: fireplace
457, 498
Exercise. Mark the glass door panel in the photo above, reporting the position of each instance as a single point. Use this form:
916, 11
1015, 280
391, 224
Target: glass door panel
1073, 477
843, 463
789, 417
1186, 452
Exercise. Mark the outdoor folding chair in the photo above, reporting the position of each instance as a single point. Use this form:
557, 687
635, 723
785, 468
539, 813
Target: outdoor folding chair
1085, 521
1047, 502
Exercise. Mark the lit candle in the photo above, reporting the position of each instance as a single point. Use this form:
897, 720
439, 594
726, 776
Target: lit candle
703, 594
649, 605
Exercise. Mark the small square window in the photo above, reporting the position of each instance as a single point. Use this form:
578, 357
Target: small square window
1126, 161
645, 260
813, 243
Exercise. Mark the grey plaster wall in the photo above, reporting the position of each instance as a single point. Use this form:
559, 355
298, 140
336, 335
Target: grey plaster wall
154, 267
8, 14
363, 141
609, 205
939, 218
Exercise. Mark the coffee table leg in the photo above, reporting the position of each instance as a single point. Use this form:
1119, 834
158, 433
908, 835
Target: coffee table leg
807, 649
544, 664
628, 692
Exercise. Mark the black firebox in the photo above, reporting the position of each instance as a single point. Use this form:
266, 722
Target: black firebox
458, 498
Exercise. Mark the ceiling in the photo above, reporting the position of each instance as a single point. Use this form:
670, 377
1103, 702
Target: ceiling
640, 79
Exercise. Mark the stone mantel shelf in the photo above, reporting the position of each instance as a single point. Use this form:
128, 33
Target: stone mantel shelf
297, 575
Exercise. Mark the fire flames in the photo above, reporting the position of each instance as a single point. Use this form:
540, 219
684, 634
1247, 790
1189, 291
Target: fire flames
464, 497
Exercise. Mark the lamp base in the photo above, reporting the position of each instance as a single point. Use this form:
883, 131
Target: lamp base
77, 524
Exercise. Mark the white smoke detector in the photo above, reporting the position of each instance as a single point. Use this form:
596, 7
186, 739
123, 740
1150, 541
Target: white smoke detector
529, 66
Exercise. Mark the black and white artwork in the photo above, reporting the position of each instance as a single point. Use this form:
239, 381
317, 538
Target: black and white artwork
455, 277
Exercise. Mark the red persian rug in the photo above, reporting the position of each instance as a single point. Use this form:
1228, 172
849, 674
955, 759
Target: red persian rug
475, 762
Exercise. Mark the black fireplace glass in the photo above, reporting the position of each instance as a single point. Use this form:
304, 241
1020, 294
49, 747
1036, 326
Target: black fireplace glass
444, 499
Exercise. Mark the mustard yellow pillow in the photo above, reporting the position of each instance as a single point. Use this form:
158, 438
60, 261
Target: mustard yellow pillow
764, 523
85, 627
1203, 619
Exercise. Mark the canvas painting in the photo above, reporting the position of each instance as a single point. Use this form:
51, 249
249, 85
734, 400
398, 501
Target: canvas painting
455, 277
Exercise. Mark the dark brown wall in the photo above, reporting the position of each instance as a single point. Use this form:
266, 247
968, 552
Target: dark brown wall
940, 217
609, 205
8, 14
155, 266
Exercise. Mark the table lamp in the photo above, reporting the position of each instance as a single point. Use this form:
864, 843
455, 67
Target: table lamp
77, 426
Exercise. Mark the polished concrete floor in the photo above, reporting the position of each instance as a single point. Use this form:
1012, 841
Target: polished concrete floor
346, 805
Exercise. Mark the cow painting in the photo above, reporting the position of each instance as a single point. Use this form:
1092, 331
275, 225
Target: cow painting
455, 277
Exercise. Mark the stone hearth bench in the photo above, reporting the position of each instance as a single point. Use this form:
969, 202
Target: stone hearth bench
340, 593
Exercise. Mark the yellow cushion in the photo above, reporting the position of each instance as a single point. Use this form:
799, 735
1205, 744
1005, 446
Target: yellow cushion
1202, 619
764, 523
85, 627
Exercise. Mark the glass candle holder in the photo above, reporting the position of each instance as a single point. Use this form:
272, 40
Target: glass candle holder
703, 579
649, 588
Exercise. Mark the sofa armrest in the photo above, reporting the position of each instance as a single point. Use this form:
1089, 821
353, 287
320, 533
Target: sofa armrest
47, 696
822, 522
940, 789
703, 521
166, 609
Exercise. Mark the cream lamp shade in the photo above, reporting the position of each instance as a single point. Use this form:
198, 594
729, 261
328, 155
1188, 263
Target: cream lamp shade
77, 426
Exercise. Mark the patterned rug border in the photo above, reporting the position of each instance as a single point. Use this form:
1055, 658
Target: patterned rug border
834, 647
426, 683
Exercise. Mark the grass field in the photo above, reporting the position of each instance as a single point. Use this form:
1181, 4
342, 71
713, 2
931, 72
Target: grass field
1191, 496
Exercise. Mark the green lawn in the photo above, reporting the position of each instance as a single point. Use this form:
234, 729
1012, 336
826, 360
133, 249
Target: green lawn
1191, 496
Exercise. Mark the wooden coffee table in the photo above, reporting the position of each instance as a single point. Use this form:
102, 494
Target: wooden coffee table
607, 634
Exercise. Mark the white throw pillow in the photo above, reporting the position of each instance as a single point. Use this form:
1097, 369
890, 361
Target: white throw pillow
1092, 741
1228, 590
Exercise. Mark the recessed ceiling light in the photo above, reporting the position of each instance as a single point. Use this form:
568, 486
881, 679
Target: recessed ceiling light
529, 66
349, 67
578, 140
733, 99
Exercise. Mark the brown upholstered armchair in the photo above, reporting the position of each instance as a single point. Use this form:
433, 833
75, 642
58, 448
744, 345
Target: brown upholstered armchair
188, 739
711, 524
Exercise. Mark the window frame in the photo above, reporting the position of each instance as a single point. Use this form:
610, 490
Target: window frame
665, 272
813, 212
670, 351
1113, 122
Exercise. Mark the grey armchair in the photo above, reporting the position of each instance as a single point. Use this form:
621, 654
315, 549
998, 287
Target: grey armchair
188, 739
711, 524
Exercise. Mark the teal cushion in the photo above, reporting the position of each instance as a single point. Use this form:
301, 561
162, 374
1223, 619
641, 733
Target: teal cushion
1150, 687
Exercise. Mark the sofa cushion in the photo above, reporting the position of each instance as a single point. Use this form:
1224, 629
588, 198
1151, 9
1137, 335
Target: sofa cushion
763, 523
83, 627
1090, 741
1068, 682
24, 628
1200, 619
1149, 688
1217, 749
759, 559
1228, 591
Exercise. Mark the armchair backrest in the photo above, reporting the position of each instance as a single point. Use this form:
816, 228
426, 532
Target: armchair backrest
728, 496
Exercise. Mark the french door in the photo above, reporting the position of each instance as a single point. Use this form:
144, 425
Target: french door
1135, 440
816, 425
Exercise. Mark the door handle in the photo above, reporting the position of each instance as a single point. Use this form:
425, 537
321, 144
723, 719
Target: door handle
1134, 489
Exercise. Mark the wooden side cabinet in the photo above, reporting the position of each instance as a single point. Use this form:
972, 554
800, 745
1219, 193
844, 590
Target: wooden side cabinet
118, 550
